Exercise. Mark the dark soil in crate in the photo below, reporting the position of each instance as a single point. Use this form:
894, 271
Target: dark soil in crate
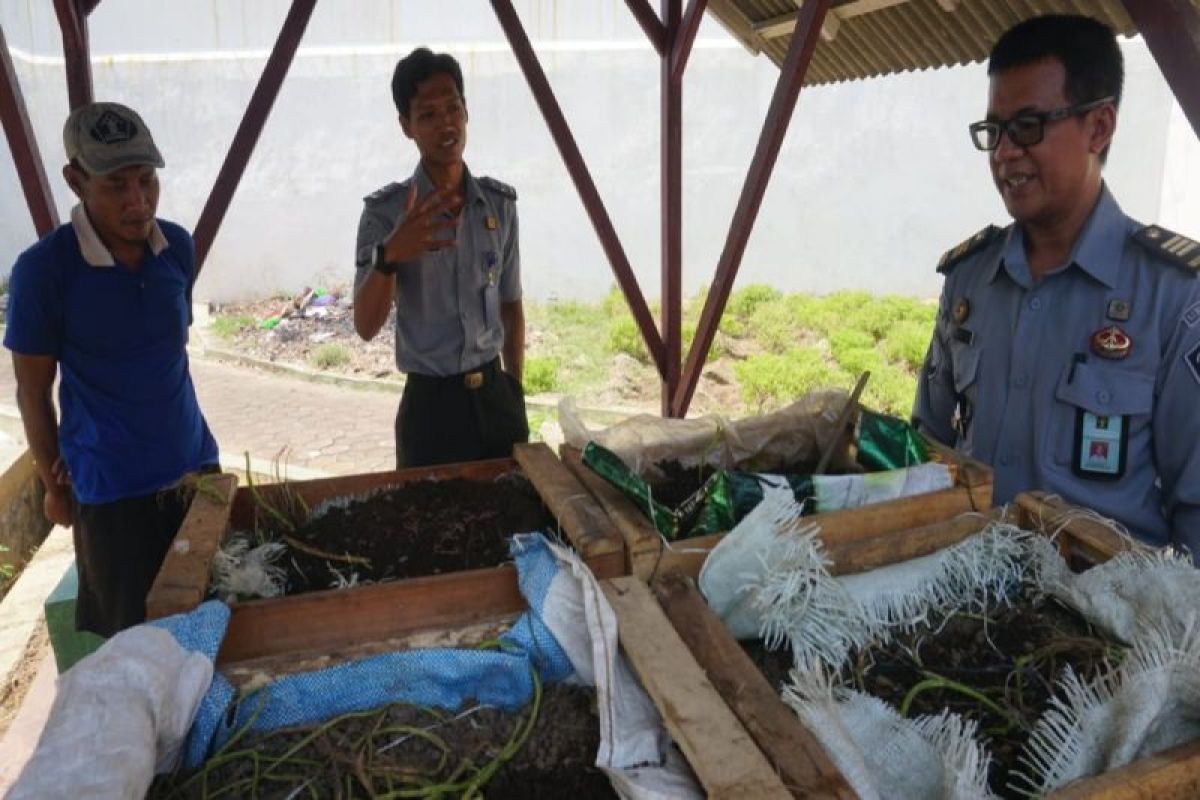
422, 528
355, 756
1014, 658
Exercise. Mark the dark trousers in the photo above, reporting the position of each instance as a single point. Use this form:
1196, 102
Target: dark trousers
469, 417
119, 547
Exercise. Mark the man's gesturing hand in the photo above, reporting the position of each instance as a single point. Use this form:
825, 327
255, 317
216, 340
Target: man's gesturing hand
423, 227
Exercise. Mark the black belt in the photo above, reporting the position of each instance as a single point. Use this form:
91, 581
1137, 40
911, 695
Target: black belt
472, 380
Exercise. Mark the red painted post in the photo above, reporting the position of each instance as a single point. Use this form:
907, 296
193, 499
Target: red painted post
783, 102
671, 192
655, 30
1171, 29
72, 19
681, 47
23, 146
251, 127
569, 150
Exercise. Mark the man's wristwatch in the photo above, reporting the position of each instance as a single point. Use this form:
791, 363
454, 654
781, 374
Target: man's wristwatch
379, 260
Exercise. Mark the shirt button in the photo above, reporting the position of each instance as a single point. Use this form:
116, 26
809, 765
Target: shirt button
1021, 382
1005, 460
1103, 397
1035, 303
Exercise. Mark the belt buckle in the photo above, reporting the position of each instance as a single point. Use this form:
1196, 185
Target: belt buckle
473, 380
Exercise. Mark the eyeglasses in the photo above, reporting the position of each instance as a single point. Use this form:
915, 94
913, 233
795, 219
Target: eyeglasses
1025, 130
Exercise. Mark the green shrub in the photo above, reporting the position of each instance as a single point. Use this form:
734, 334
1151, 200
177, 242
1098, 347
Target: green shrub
908, 343
541, 374
624, 337
773, 325
329, 355
744, 301
891, 391
771, 380
843, 340
569, 314
229, 326
859, 360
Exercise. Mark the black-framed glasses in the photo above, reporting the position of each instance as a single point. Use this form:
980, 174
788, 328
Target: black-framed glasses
1025, 130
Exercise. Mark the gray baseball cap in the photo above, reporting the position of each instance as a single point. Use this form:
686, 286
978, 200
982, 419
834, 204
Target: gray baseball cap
105, 137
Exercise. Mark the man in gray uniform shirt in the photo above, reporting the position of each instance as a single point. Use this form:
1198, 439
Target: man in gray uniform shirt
1066, 352
443, 246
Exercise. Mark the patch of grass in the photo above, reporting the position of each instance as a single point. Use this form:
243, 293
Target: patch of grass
844, 340
541, 374
329, 355
536, 417
891, 391
229, 326
771, 381
624, 337
908, 342
774, 325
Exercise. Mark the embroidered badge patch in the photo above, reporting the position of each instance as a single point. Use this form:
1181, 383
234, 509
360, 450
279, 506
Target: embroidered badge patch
1193, 361
1192, 316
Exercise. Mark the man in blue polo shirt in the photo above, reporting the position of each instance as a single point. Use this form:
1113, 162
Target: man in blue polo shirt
106, 301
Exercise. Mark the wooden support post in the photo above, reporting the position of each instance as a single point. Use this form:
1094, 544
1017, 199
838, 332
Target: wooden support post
577, 168
251, 127
721, 752
31, 172
1171, 29
72, 20
787, 92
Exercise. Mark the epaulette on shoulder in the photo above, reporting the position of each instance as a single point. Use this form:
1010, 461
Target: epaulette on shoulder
499, 187
1170, 246
379, 195
954, 255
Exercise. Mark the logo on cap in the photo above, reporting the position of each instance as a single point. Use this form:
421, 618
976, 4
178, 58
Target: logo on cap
112, 128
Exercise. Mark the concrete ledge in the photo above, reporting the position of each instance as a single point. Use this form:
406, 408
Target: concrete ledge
22, 606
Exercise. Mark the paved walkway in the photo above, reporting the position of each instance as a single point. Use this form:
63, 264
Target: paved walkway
324, 427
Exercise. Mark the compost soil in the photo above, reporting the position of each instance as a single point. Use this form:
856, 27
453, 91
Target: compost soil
356, 755
1013, 657
422, 528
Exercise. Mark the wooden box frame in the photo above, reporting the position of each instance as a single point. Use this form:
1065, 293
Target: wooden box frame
330, 625
1170, 775
648, 555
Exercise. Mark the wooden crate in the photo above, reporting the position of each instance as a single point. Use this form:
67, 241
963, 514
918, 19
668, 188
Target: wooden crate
648, 555
342, 623
1171, 775
718, 747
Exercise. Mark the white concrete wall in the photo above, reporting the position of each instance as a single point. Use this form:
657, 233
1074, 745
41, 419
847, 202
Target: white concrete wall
874, 181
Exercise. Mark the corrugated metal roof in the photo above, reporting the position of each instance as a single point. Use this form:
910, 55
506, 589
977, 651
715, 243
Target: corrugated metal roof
868, 38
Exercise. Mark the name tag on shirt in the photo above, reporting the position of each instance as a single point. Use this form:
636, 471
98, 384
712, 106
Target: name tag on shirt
1100, 446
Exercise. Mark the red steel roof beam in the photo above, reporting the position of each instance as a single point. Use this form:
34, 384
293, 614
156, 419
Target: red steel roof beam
1171, 28
783, 102
655, 30
685, 37
72, 20
569, 150
251, 127
671, 198
23, 146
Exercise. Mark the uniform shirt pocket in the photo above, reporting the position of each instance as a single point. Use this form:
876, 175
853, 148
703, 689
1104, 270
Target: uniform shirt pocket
1105, 390
965, 361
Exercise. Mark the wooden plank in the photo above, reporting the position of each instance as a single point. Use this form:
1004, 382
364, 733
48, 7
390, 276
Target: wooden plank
337, 618
794, 752
1170, 775
891, 548
970, 472
473, 634
1080, 536
183, 578
721, 752
643, 545
579, 516
246, 513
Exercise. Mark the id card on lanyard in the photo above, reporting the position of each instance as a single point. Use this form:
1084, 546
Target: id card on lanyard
1101, 445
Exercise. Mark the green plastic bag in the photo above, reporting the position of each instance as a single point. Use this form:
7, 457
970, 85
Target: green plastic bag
888, 443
